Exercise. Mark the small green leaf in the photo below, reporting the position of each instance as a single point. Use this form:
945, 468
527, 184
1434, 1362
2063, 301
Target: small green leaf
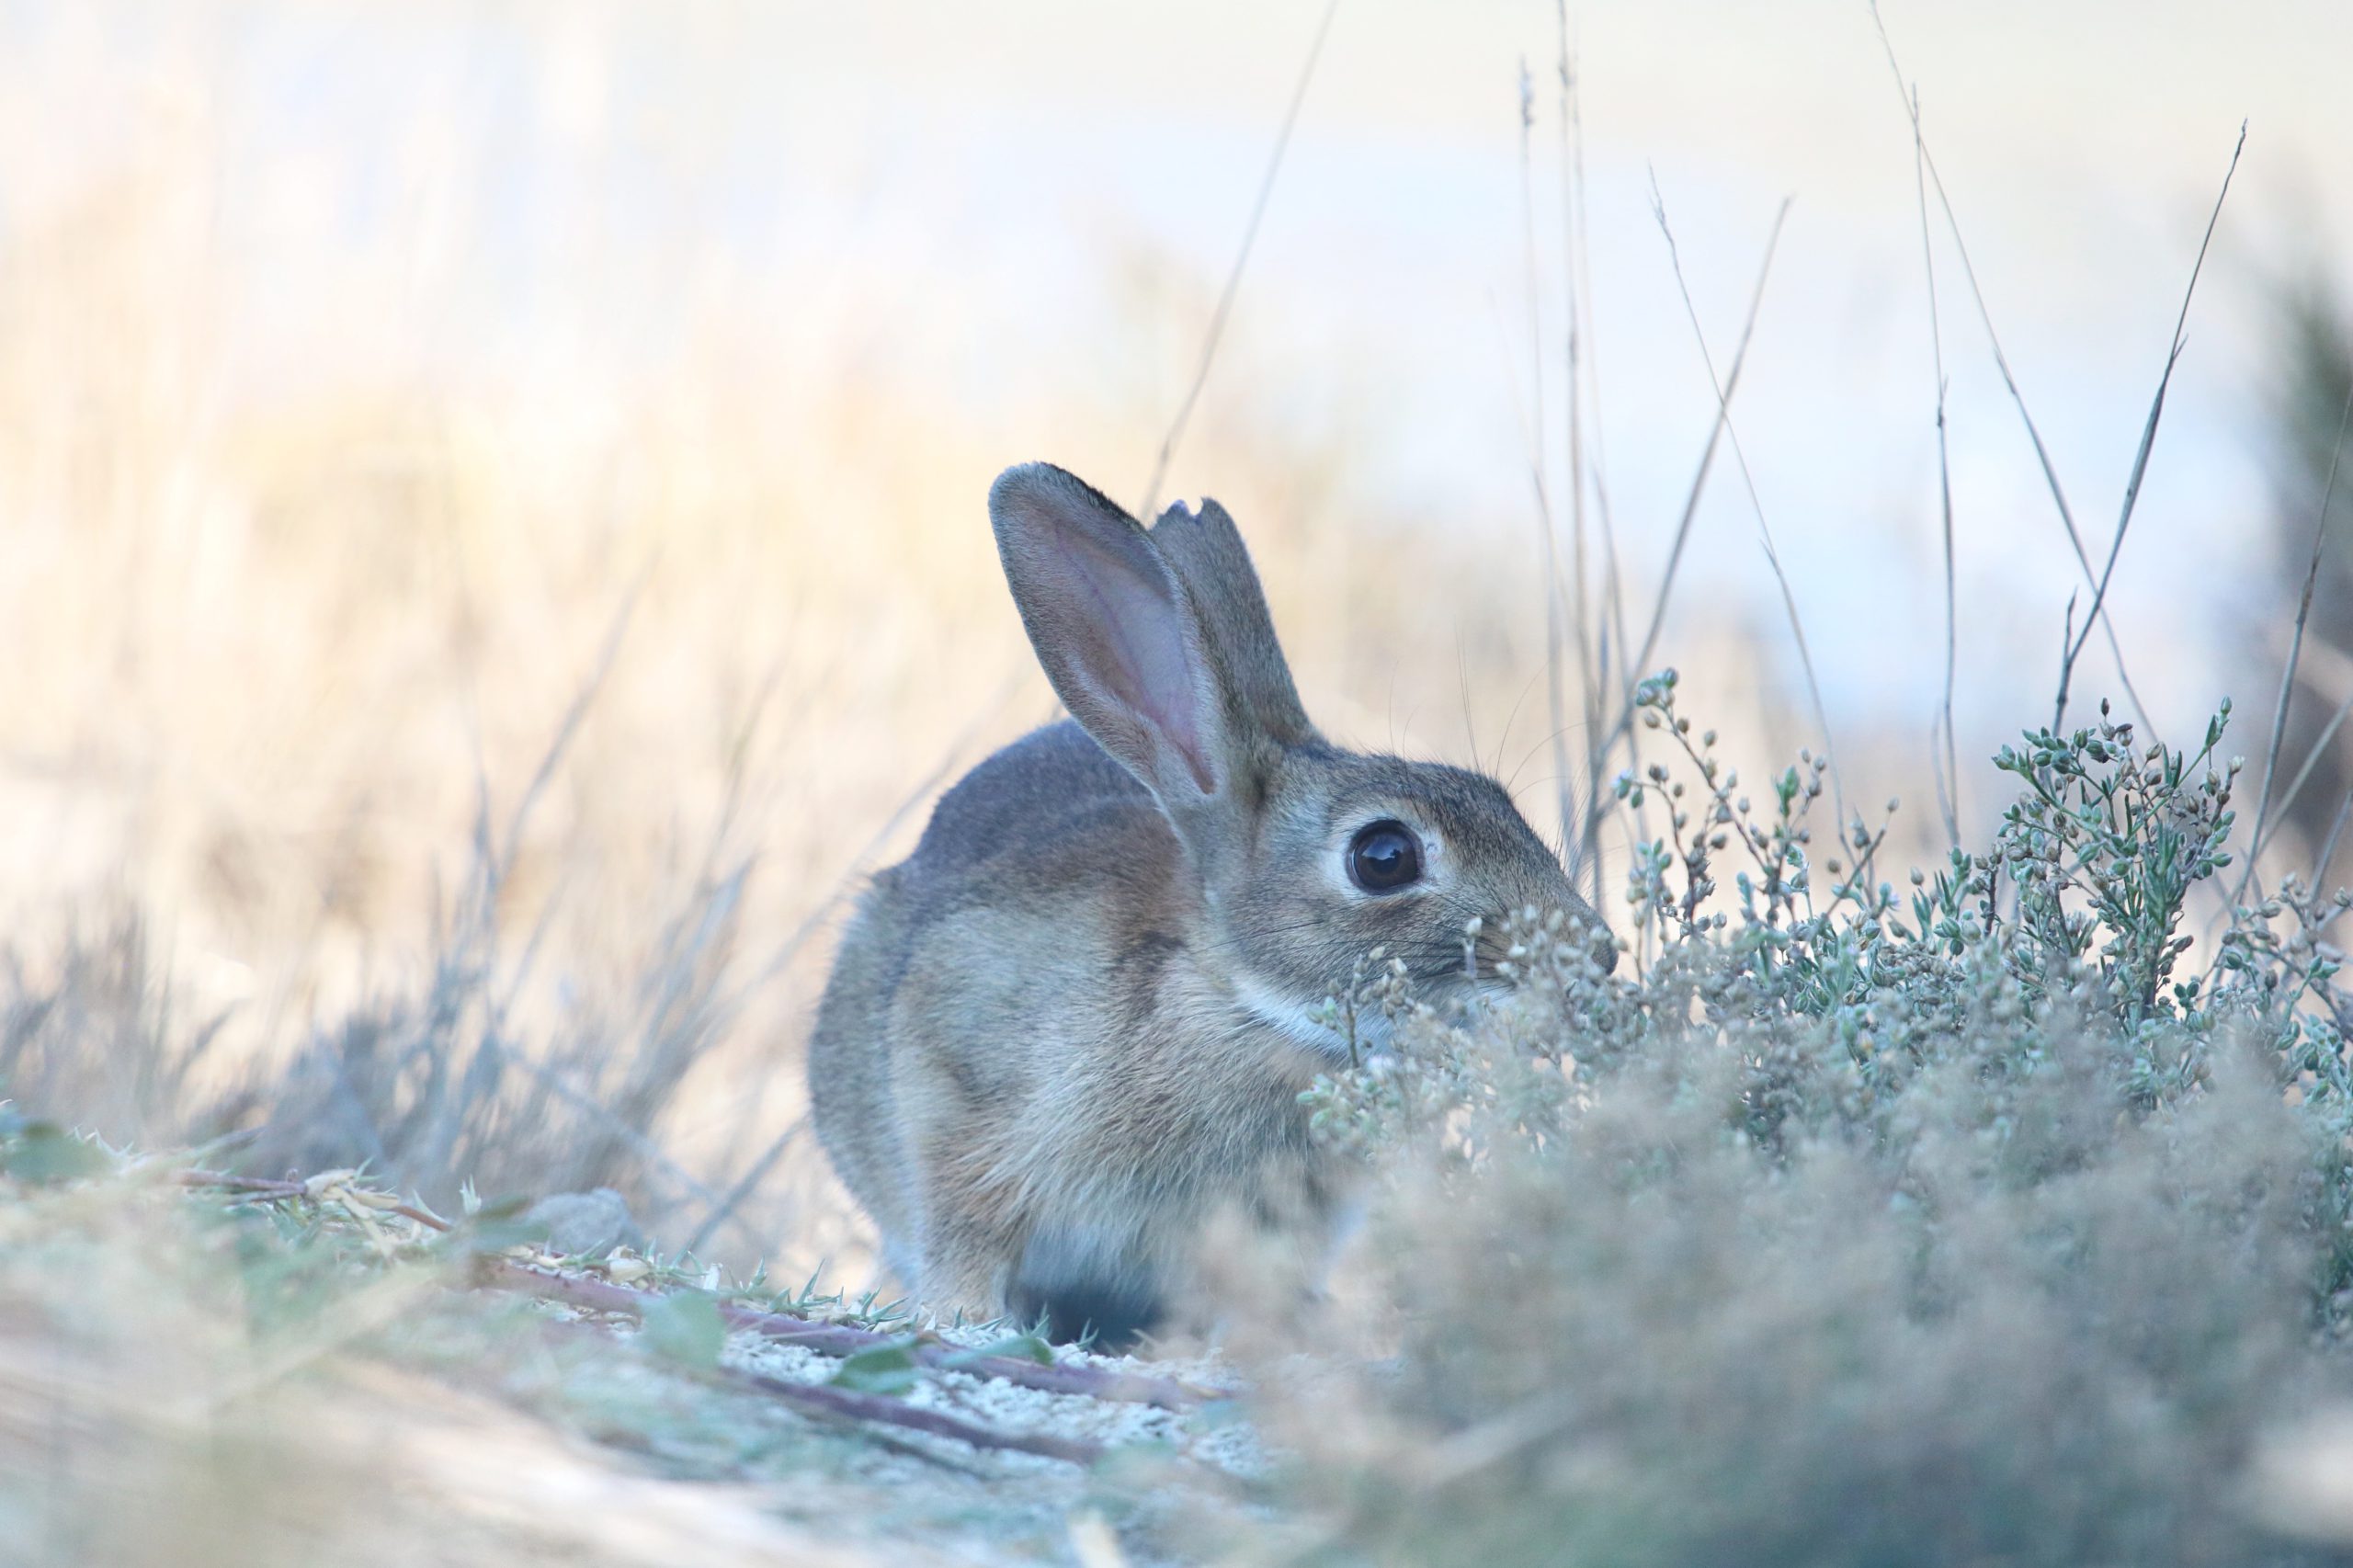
885, 1369
685, 1327
42, 1152
1017, 1346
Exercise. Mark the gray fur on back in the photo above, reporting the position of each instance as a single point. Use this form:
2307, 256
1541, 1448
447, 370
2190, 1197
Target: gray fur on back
1032, 794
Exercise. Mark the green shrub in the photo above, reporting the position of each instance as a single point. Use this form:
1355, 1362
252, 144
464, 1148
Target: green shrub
1961, 1222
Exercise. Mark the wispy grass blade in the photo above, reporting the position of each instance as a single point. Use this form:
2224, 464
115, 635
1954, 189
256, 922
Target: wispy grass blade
1622, 726
2148, 438
1691, 498
1948, 764
723, 1208
2288, 670
2002, 363
1224, 311
2327, 854
1593, 660
1756, 504
1555, 701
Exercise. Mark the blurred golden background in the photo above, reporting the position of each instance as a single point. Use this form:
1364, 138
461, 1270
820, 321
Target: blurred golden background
491, 526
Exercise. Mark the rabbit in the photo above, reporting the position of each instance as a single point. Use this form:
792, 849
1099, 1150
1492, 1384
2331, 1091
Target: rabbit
1073, 1027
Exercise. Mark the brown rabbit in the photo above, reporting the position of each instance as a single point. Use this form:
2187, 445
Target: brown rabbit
1073, 1027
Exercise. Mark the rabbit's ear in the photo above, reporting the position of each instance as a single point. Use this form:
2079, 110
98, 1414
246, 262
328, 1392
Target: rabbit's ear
1114, 629
1206, 552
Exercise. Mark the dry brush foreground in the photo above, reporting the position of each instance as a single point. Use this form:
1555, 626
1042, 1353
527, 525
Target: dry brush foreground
202, 1368
1984, 1221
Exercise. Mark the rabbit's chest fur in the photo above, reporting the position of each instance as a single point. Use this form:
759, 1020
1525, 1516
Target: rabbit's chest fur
1047, 1043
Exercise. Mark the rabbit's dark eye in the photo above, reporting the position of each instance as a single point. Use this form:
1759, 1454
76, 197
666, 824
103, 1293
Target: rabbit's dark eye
1385, 856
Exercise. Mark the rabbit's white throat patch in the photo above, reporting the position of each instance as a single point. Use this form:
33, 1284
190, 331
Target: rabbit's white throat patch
1304, 1022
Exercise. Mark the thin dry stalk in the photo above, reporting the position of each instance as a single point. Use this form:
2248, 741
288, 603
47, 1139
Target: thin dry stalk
1764, 528
1948, 764
861, 863
2002, 363
1592, 652
1555, 707
1587, 354
721, 1211
1225, 298
724, 1209
2148, 438
1623, 724
2328, 845
637, 1142
575, 715
2287, 672
2296, 785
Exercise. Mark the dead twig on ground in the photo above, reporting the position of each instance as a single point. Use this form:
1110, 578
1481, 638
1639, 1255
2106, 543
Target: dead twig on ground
842, 1339
831, 1339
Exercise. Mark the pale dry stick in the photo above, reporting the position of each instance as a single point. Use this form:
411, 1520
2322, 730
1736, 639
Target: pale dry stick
1700, 478
1765, 531
2288, 673
2009, 380
1531, 430
710, 877
496, 863
1224, 310
1588, 356
1593, 657
2148, 438
1623, 727
1554, 708
1948, 770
